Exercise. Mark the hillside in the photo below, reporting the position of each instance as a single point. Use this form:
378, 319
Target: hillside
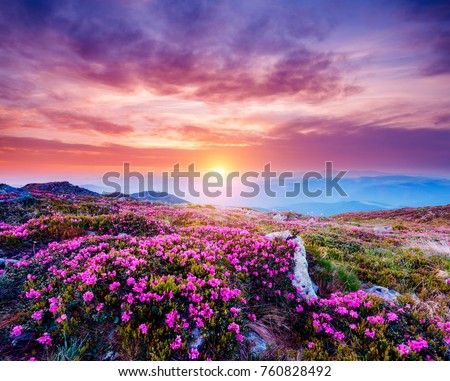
435, 216
97, 278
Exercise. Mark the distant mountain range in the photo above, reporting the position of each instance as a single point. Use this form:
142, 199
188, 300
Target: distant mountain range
158, 197
364, 194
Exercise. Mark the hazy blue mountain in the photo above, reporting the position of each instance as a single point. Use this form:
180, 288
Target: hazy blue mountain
382, 192
401, 191
158, 197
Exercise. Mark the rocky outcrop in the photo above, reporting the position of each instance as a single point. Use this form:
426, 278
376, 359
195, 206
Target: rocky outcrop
60, 187
302, 280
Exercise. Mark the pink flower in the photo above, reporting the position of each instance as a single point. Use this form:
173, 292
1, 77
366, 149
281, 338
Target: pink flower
310, 344
177, 343
403, 349
17, 330
341, 310
234, 327
239, 337
235, 311
353, 326
392, 316
114, 285
33, 294
299, 308
193, 354
353, 314
88, 296
143, 328
370, 333
126, 315
375, 319
61, 318
37, 315
418, 344
171, 317
45, 339
214, 282
214, 295
196, 298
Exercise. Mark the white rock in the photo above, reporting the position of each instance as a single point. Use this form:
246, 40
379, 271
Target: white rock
383, 292
302, 279
279, 217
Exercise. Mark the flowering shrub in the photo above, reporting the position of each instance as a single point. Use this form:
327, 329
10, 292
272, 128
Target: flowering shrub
154, 292
361, 326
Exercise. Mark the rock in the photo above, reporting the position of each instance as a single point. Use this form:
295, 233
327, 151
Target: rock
257, 344
302, 279
383, 292
110, 356
4, 262
382, 229
279, 217
23, 339
198, 339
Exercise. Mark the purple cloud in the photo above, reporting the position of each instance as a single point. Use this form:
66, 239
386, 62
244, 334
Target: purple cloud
200, 49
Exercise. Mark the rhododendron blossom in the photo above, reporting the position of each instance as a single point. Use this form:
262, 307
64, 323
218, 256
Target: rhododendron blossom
45, 339
88, 296
17, 330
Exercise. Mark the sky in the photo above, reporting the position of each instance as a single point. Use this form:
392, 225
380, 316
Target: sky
88, 85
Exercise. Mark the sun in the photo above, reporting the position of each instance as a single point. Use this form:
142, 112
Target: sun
219, 170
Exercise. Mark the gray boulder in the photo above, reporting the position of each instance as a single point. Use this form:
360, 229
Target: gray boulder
383, 292
257, 344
